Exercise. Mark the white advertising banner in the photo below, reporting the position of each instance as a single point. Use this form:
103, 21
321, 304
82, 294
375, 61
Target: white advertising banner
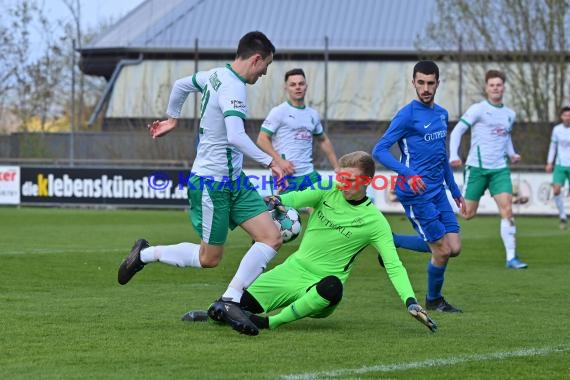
9, 185
532, 195
532, 192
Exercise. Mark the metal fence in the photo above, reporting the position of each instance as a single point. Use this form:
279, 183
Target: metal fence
134, 147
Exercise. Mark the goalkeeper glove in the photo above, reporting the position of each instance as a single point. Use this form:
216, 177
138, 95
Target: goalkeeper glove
420, 314
273, 202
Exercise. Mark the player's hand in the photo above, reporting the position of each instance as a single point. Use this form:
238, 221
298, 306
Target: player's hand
279, 174
287, 166
460, 202
417, 184
160, 128
420, 314
273, 202
548, 168
515, 158
455, 163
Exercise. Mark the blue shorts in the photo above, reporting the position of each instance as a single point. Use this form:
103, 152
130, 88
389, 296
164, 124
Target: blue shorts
433, 219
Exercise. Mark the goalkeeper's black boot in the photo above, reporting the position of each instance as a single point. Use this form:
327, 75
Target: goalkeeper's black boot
132, 264
441, 305
232, 314
196, 316
260, 321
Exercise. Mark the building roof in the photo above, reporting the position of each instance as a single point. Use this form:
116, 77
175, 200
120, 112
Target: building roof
294, 26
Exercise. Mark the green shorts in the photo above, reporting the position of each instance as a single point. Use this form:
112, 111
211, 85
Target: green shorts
302, 182
217, 206
283, 285
560, 175
477, 180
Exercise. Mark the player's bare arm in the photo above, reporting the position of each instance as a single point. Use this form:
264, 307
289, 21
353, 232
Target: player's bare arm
265, 143
327, 147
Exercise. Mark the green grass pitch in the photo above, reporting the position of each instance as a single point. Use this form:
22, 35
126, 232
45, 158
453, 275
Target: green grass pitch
63, 315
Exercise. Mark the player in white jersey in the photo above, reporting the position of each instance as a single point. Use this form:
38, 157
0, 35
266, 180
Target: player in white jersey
288, 131
560, 148
219, 193
487, 166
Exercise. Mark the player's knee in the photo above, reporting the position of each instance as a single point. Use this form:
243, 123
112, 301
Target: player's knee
273, 239
210, 260
454, 251
469, 214
330, 288
276, 241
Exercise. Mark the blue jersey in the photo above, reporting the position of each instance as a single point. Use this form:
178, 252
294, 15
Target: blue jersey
420, 132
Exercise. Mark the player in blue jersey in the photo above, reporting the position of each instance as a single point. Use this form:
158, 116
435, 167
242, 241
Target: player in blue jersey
420, 129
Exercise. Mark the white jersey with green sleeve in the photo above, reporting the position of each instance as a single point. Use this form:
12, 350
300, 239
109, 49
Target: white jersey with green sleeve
560, 146
292, 129
337, 231
491, 128
223, 94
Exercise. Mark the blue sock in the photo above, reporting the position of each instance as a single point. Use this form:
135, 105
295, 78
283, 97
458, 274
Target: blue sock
435, 281
411, 242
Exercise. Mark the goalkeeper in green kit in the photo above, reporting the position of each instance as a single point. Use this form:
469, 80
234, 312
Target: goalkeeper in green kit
344, 222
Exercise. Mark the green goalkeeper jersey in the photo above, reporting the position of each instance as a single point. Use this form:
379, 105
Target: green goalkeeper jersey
337, 231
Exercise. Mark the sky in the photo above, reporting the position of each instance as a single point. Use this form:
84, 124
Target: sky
93, 13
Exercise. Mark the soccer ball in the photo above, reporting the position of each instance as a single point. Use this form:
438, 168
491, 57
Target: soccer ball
288, 222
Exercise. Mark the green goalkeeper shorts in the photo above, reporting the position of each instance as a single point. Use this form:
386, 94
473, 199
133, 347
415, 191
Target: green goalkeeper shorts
283, 285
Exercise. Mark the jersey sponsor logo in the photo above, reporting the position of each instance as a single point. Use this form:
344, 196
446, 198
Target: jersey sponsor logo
291, 116
343, 230
435, 135
303, 134
427, 125
357, 222
238, 104
499, 130
326, 204
215, 81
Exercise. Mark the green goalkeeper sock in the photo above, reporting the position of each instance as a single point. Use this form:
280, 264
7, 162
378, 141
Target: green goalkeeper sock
308, 304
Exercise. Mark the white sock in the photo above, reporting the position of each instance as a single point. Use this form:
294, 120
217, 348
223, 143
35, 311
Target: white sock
508, 232
180, 255
251, 266
559, 202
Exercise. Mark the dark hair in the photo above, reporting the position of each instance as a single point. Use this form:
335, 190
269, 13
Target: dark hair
426, 67
294, 72
564, 109
360, 160
254, 43
495, 74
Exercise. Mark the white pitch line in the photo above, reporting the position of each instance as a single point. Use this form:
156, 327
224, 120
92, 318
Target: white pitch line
454, 360
53, 251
